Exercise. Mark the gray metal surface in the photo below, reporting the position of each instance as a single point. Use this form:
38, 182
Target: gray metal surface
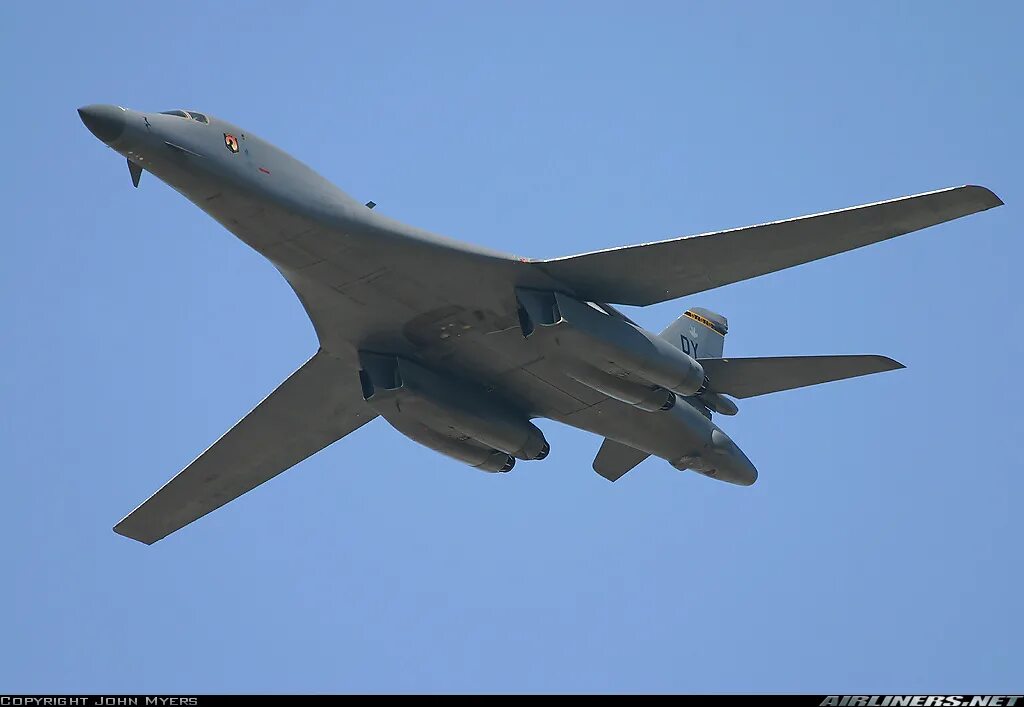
615, 459
317, 405
684, 266
750, 377
374, 286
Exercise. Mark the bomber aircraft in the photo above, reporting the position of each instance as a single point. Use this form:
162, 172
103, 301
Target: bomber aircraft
459, 347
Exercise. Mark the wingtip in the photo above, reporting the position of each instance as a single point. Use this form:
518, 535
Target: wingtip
604, 474
891, 364
988, 198
125, 533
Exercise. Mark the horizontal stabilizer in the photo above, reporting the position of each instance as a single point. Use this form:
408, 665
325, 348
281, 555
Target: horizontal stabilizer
318, 404
750, 377
614, 459
655, 272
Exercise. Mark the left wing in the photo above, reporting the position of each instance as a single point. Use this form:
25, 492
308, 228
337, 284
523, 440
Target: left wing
318, 404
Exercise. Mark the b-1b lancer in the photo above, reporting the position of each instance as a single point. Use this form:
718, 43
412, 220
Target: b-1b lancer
459, 347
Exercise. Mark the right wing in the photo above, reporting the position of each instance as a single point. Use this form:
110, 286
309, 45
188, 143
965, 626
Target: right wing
655, 272
750, 377
318, 404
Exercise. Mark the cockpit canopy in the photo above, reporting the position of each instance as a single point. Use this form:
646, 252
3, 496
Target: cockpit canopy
198, 117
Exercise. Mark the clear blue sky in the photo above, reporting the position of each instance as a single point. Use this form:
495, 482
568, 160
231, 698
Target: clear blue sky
879, 551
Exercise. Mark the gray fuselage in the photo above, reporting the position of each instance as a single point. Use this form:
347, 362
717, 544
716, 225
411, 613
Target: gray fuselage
371, 283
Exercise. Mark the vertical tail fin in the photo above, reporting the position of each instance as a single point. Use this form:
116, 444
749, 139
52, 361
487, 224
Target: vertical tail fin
700, 333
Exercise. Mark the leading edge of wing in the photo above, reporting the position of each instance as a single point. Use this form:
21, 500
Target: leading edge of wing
317, 405
657, 271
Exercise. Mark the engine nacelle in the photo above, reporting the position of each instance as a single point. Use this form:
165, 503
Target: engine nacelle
396, 387
573, 331
717, 402
466, 451
652, 398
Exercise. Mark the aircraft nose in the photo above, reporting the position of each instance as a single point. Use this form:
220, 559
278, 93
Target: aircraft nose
105, 122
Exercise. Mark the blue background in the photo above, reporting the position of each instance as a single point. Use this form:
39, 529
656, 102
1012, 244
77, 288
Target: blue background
880, 550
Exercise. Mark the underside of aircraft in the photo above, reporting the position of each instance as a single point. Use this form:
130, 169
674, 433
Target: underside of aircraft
460, 348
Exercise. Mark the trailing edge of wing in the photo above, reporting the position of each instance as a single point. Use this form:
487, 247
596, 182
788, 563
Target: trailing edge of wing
318, 404
615, 459
750, 377
655, 272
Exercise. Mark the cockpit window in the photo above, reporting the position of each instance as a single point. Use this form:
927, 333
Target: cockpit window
198, 117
